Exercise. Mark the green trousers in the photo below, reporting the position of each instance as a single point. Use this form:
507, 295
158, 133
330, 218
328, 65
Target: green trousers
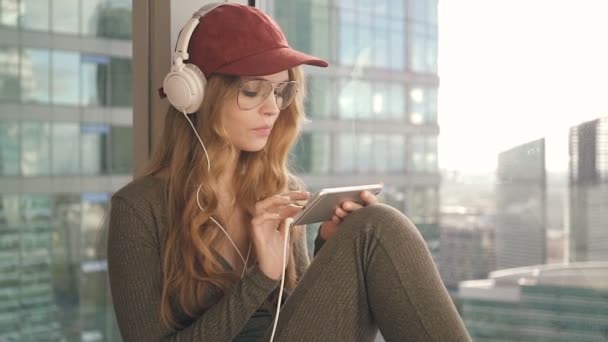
375, 273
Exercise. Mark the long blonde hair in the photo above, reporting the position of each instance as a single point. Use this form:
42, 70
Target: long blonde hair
189, 263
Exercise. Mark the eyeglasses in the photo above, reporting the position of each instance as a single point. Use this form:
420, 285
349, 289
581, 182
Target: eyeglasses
253, 93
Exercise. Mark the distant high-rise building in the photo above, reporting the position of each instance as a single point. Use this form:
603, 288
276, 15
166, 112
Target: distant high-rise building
589, 191
65, 146
538, 303
521, 206
467, 246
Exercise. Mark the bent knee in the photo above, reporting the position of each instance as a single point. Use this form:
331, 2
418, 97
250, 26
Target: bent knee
385, 219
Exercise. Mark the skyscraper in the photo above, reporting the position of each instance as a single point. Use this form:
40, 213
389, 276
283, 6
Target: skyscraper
65, 146
589, 191
374, 111
521, 206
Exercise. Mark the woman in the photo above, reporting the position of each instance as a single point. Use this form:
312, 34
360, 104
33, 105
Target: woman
195, 245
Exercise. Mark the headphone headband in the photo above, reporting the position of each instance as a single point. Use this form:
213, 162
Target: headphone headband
181, 47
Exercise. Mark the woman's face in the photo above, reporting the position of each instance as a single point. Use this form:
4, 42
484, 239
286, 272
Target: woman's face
248, 130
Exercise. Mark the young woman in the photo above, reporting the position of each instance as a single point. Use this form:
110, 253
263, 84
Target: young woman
196, 241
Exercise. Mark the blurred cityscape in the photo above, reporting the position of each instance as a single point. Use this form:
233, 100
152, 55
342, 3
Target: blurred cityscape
523, 251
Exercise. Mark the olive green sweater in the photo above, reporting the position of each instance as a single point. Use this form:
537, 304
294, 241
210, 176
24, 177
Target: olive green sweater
136, 240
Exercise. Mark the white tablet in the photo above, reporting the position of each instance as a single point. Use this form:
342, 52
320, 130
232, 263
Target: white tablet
321, 207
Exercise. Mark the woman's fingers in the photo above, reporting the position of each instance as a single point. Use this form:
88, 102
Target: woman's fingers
369, 198
280, 200
264, 217
350, 206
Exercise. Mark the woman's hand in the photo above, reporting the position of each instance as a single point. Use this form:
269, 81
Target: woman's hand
269, 231
329, 228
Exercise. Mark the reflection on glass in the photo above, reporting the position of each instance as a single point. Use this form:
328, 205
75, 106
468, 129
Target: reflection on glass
364, 152
35, 15
38, 319
115, 19
9, 12
311, 153
9, 74
66, 85
94, 141
35, 148
65, 145
320, 45
121, 154
121, 87
65, 16
66, 262
94, 77
319, 102
345, 153
9, 148
35, 75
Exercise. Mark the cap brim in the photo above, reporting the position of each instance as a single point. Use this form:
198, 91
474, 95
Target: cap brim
269, 62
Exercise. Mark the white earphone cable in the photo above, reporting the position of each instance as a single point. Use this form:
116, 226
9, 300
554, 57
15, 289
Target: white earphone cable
198, 202
288, 222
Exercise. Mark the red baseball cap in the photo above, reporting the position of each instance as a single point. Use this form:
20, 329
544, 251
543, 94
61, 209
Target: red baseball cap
240, 40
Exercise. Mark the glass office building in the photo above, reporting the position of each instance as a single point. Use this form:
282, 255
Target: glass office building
374, 111
538, 303
65, 147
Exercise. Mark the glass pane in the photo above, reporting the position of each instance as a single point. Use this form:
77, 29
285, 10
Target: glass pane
9, 148
116, 20
35, 15
345, 153
65, 16
66, 153
122, 150
365, 150
35, 75
396, 153
9, 12
94, 80
9, 74
320, 97
92, 15
35, 148
94, 138
66, 85
121, 78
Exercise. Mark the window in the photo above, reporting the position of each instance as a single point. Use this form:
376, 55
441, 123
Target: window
35, 148
423, 105
121, 87
65, 145
94, 148
320, 97
122, 150
9, 148
346, 156
66, 74
35, 15
115, 19
9, 12
311, 154
65, 16
9, 75
90, 20
35, 76
94, 80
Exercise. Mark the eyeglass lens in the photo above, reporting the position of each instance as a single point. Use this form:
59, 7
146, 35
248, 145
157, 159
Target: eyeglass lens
254, 92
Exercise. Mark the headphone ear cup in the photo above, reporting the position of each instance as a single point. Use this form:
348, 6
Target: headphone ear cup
185, 87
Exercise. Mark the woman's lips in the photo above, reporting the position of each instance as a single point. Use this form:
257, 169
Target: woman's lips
263, 131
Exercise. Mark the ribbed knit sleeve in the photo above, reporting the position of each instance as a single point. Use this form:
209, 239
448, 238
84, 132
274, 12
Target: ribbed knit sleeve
134, 264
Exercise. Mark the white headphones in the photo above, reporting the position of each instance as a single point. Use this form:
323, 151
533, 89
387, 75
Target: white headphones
185, 84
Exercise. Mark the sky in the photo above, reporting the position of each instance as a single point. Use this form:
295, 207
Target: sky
513, 71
